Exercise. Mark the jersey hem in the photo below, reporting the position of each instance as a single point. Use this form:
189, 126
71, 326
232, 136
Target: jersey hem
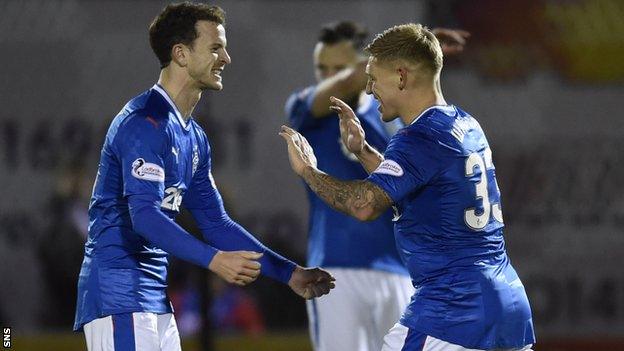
78, 326
441, 336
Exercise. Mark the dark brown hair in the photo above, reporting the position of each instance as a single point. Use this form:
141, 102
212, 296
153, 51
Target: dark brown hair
333, 33
411, 42
176, 25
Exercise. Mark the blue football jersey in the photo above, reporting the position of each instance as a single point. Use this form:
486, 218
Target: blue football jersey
152, 163
448, 226
335, 239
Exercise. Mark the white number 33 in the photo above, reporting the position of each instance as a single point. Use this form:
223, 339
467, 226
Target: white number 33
479, 221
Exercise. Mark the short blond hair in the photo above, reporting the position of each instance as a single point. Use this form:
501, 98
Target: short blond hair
411, 42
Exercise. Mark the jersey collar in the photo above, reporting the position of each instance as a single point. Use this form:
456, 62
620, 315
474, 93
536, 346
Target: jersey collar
164, 94
444, 108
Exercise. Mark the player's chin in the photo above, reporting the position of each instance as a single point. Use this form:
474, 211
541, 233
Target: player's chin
213, 85
388, 117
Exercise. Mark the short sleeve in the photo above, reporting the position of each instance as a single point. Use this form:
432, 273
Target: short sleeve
411, 160
140, 146
298, 109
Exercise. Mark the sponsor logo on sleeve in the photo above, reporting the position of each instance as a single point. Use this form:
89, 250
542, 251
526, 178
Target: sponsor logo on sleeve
390, 167
147, 171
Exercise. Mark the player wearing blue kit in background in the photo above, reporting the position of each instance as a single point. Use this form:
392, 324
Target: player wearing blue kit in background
362, 254
437, 174
376, 286
155, 159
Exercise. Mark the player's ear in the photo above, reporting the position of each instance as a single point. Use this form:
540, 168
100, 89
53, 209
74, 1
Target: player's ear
402, 75
179, 54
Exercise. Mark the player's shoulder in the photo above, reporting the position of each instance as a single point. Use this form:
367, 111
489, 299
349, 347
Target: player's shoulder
299, 97
432, 127
147, 112
442, 123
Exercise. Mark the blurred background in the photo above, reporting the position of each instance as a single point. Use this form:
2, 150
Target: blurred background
545, 78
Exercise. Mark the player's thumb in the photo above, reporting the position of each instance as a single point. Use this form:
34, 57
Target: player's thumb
251, 255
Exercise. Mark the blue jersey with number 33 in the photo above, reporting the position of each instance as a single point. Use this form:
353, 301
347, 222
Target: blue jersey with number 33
448, 226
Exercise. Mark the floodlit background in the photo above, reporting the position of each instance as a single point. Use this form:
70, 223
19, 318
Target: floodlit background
544, 78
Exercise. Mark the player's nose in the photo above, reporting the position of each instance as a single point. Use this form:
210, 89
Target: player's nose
226, 57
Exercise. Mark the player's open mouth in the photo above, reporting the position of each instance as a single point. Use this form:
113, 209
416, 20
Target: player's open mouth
217, 71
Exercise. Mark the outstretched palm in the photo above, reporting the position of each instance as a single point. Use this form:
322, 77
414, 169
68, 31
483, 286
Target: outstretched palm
351, 131
300, 152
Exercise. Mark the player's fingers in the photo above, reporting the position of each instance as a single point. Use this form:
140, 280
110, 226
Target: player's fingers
251, 264
336, 109
245, 279
251, 273
288, 130
239, 282
339, 103
286, 137
463, 33
290, 141
317, 289
252, 255
457, 38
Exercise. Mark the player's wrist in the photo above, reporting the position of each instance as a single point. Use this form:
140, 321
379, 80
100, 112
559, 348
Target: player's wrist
307, 171
214, 262
366, 150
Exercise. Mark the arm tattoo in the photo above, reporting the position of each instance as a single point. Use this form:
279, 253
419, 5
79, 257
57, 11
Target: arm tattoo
351, 197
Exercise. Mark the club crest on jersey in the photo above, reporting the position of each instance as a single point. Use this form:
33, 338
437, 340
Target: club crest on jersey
147, 171
195, 159
390, 167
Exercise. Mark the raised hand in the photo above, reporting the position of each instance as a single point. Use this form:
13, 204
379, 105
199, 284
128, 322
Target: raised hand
452, 41
351, 131
236, 267
311, 282
300, 152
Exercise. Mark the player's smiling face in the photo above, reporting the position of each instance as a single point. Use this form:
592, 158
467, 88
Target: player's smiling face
330, 59
383, 84
208, 56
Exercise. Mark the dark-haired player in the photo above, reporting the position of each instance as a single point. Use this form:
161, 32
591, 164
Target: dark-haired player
155, 159
375, 286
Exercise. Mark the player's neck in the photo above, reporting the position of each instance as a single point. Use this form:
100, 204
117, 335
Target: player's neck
184, 95
419, 102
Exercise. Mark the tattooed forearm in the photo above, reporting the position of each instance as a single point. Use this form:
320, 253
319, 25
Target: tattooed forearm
358, 198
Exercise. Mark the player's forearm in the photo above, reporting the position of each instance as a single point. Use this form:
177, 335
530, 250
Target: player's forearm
345, 85
370, 158
160, 231
357, 198
227, 235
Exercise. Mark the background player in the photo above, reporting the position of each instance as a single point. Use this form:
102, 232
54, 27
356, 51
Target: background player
376, 286
438, 174
156, 158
